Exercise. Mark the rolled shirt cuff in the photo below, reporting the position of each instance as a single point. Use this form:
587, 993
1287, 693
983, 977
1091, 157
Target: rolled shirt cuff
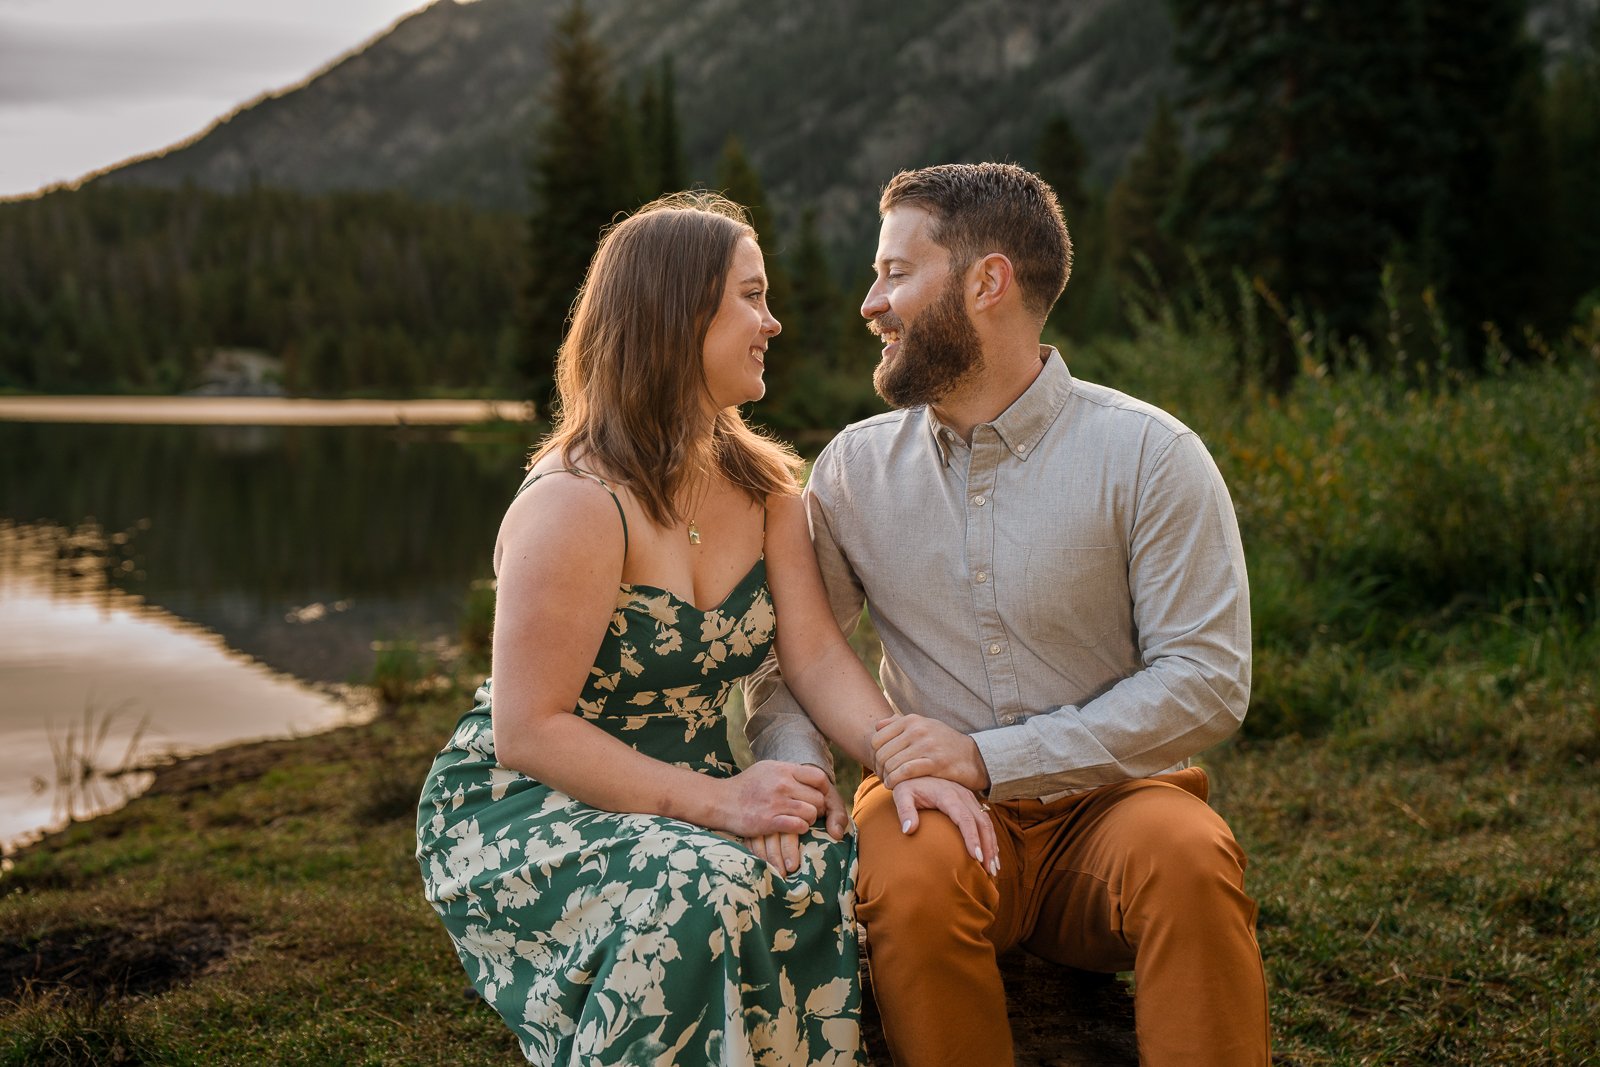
1012, 761
800, 744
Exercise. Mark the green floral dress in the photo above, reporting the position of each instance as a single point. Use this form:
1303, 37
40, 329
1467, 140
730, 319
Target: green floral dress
611, 938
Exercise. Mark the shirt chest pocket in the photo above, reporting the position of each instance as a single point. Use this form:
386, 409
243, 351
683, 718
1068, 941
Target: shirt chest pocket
1074, 595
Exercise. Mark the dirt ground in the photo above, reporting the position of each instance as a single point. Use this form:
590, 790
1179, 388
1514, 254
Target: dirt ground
1059, 1017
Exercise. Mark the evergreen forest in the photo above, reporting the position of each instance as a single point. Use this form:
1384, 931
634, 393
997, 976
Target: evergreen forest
1433, 181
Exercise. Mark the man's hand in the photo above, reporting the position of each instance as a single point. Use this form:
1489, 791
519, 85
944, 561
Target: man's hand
970, 815
783, 850
914, 746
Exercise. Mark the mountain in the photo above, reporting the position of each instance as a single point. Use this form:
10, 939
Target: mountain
829, 97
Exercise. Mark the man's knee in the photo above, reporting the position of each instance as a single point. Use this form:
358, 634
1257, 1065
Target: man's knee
923, 873
1176, 843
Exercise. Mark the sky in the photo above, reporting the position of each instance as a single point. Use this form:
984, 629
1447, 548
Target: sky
88, 83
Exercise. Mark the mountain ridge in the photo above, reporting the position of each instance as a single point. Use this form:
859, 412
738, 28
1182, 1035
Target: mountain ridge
829, 97
445, 104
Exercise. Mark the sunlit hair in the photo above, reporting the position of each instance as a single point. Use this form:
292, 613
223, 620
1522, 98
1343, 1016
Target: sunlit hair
631, 371
979, 208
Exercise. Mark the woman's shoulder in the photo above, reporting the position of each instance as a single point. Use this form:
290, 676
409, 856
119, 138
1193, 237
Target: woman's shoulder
574, 463
572, 470
561, 518
785, 521
564, 506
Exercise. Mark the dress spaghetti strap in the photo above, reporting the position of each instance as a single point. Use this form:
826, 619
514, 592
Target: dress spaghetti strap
607, 487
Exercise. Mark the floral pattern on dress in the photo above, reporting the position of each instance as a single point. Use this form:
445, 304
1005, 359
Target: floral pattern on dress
630, 939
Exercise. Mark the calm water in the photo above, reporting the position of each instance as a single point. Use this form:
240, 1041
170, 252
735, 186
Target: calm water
174, 588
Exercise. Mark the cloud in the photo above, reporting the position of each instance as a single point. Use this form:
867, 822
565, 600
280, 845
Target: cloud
50, 63
86, 83
52, 143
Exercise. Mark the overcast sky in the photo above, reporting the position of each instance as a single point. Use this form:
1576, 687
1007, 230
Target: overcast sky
88, 83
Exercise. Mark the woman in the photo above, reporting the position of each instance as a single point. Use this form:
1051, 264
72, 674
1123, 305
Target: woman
616, 887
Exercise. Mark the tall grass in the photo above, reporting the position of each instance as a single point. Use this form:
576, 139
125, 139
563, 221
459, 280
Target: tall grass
87, 779
1387, 498
1414, 780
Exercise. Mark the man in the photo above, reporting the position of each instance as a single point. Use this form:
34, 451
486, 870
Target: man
1055, 571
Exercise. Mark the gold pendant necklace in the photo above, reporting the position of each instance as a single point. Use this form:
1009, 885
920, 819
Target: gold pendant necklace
705, 490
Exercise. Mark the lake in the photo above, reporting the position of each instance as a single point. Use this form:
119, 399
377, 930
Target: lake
166, 589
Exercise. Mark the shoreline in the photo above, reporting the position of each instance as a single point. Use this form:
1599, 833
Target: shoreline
259, 411
191, 769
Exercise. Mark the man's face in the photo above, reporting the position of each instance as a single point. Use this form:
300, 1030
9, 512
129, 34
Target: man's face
919, 309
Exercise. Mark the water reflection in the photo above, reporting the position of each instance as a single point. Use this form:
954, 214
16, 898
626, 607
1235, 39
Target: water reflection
300, 545
137, 563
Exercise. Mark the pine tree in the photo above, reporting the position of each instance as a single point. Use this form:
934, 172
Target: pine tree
629, 154
1140, 205
576, 192
1317, 130
1572, 117
649, 112
1487, 168
1088, 305
804, 359
1344, 135
740, 182
1061, 160
813, 326
664, 169
1517, 286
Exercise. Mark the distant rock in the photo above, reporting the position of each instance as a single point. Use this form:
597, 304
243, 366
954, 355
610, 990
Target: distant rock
240, 372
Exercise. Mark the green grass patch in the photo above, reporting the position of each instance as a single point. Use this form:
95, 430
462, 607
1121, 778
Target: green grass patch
331, 955
1415, 784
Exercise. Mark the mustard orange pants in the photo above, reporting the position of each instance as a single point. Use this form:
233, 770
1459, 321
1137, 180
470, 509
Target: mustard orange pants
1141, 875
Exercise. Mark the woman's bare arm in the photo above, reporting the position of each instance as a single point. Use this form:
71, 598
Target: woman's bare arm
559, 561
827, 678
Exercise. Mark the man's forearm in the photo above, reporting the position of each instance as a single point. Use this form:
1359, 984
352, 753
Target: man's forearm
776, 726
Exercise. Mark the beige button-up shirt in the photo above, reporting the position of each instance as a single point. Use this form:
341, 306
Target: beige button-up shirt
1069, 589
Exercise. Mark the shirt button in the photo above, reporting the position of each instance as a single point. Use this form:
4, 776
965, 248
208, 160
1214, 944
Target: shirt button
1008, 720
983, 576
978, 500
994, 650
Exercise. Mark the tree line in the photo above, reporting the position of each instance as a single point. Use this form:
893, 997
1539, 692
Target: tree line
1406, 175
121, 289
1365, 170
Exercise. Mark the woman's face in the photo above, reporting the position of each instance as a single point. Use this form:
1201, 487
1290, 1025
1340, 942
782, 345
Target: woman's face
736, 345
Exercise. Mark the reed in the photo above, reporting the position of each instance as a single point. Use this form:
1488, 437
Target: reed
86, 781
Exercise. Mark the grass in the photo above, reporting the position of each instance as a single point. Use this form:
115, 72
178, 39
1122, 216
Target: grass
400, 670
332, 957
1417, 910
1416, 784
1425, 900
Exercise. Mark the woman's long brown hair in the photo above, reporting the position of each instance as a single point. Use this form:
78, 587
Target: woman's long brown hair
631, 373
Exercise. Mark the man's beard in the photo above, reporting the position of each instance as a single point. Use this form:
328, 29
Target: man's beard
934, 356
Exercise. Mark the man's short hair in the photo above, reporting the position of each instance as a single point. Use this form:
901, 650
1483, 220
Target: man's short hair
979, 208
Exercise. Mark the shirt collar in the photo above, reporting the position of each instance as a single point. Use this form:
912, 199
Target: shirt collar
941, 437
1021, 425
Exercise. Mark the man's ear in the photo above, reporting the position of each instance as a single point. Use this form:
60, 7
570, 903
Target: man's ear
989, 280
